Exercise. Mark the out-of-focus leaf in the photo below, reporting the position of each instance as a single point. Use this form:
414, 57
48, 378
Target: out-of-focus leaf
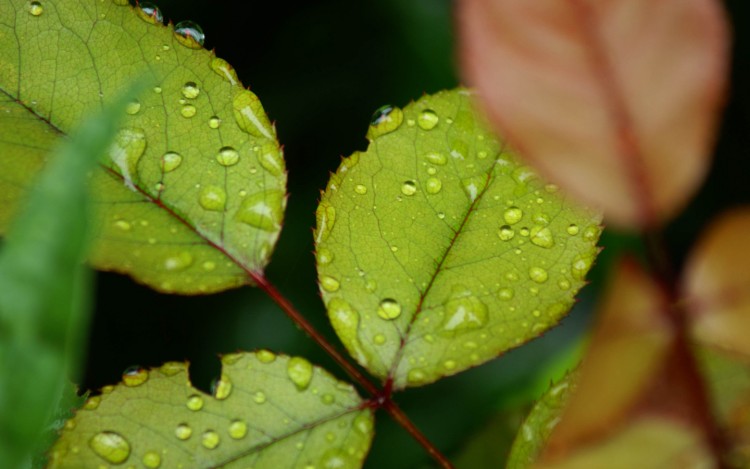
190, 196
616, 101
717, 284
69, 402
266, 411
489, 447
437, 251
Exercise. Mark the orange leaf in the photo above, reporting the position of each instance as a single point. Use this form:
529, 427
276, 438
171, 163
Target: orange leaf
717, 283
617, 101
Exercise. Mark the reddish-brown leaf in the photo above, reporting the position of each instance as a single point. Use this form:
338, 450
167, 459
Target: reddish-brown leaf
617, 101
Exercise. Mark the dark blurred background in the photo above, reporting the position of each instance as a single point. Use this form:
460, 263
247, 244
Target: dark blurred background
320, 69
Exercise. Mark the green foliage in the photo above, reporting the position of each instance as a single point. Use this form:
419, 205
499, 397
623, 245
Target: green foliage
191, 197
266, 411
437, 250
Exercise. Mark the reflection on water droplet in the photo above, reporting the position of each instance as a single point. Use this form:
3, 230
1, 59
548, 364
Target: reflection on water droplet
190, 90
222, 68
300, 371
265, 356
157, 89
170, 161
237, 429
188, 111
134, 376
360, 189
325, 217
209, 266
214, 122
409, 188
580, 266
35, 8
270, 159
222, 387
416, 376
213, 198
379, 339
542, 237
122, 225
329, 283
563, 284
149, 13
505, 293
436, 158
384, 120
263, 210
189, 34
572, 229
228, 156
433, 185
133, 107
428, 119
110, 446
195, 402
259, 397
591, 233
92, 403
210, 439
126, 151
183, 431
512, 215
389, 309
151, 459
473, 186
324, 255
506, 233
171, 368
177, 262
538, 274
250, 116
464, 311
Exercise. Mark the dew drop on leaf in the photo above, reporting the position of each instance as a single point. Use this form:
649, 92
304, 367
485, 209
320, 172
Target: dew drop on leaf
134, 376
436, 158
270, 159
265, 356
300, 371
195, 402
580, 266
151, 459
228, 156
188, 110
150, 13
542, 237
329, 283
237, 429
433, 185
214, 122
325, 217
213, 198
572, 229
262, 210
210, 439
170, 161
110, 446
259, 397
189, 34
506, 233
221, 388
178, 262
183, 431
505, 293
389, 309
473, 186
428, 119
325, 256
379, 339
360, 189
122, 225
250, 116
126, 151
512, 215
464, 311
538, 274
190, 90
35, 8
409, 188
384, 120
222, 68
133, 107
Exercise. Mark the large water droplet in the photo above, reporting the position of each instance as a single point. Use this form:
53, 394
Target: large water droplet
591, 233
222, 387
210, 439
110, 446
126, 151
389, 309
433, 185
194, 402
324, 255
325, 217
542, 237
92, 403
512, 215
134, 376
360, 189
183, 431
149, 13
222, 68
271, 160
384, 120
409, 188
572, 229
363, 424
151, 459
190, 90
35, 8
238, 429
506, 233
133, 107
228, 156
181, 261
265, 356
262, 210
213, 198
464, 311
329, 283
171, 368
170, 161
474, 186
300, 371
187, 111
580, 267
538, 274
123, 225
428, 119
250, 116
436, 158
189, 34
214, 122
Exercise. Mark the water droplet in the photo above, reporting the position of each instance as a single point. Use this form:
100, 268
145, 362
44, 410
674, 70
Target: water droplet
327, 399
265, 356
523, 174
228, 156
389, 309
263, 210
324, 255
428, 119
110, 446
171, 368
300, 371
250, 116
384, 120
329, 283
123, 225
335, 459
195, 402
409, 188
133, 107
591, 233
433, 185
363, 423
505, 293
464, 311
360, 189
190, 90
580, 267
524, 231
126, 151
170, 161
449, 364
210, 439
134, 376
157, 89
270, 159
188, 111
151, 459
436, 158
238, 429
325, 217
180, 261
259, 397
183, 431
538, 274
222, 68
379, 339
214, 122
209, 266
474, 186
542, 237
371, 285
222, 387
149, 13
92, 403
572, 229
213, 198
416, 376
189, 34
506, 233
441, 215
512, 215
35, 8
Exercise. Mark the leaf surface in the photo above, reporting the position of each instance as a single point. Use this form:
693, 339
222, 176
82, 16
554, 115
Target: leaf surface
616, 101
267, 411
190, 197
436, 251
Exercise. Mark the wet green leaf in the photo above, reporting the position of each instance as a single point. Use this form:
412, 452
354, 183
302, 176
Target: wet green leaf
437, 251
190, 197
266, 411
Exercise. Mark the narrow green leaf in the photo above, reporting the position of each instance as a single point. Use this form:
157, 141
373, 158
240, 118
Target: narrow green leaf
266, 412
190, 197
437, 251
44, 300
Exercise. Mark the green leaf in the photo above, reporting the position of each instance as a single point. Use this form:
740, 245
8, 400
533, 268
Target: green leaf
190, 198
44, 300
266, 412
437, 251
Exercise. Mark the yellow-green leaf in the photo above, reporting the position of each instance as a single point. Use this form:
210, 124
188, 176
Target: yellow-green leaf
266, 411
190, 197
437, 251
